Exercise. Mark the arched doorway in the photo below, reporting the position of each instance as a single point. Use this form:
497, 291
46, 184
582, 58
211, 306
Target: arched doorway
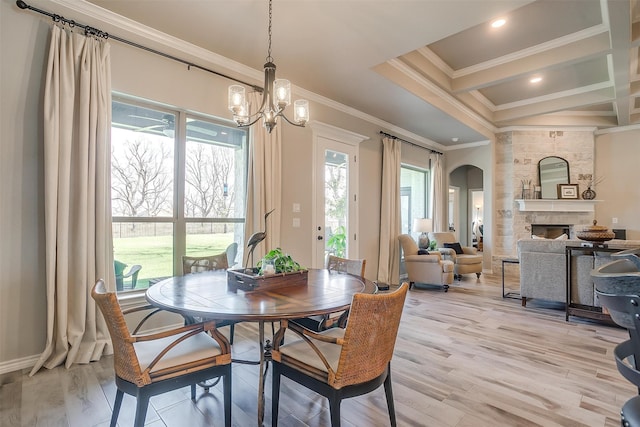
467, 220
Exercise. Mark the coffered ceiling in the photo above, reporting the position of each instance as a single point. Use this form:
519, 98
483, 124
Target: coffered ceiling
435, 71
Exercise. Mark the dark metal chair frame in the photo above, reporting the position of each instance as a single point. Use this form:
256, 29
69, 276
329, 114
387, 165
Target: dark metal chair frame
625, 311
130, 378
366, 349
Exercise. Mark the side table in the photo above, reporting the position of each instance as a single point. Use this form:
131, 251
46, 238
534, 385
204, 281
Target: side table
514, 295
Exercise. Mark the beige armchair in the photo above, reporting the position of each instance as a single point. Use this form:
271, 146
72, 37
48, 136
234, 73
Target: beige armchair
429, 269
470, 261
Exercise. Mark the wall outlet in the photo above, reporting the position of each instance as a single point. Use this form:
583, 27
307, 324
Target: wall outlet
296, 222
614, 220
296, 207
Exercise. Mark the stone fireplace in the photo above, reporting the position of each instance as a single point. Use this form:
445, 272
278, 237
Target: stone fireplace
516, 160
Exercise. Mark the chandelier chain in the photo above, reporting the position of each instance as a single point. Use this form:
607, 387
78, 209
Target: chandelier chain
269, 58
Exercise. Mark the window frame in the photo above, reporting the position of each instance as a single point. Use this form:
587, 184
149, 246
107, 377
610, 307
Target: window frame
178, 217
412, 205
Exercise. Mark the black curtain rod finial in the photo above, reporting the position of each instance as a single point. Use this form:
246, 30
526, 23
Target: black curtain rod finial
21, 4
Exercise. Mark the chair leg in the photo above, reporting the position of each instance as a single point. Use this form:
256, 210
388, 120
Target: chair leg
334, 407
193, 392
232, 329
388, 391
142, 403
116, 408
478, 275
226, 384
275, 395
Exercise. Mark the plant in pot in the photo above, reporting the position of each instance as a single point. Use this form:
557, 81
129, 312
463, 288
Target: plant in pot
276, 261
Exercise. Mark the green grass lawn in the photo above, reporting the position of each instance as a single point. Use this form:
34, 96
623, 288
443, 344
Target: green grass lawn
155, 253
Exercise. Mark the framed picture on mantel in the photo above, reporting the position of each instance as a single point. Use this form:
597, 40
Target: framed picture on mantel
567, 191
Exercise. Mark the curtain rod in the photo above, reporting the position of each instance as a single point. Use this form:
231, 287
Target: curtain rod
90, 31
409, 142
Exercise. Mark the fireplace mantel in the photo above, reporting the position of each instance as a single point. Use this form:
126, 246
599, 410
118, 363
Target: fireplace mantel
556, 205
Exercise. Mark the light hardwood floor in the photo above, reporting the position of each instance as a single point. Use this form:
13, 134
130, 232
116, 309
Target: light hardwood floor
465, 358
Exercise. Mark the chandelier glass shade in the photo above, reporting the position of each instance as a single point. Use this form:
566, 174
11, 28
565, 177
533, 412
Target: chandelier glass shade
276, 97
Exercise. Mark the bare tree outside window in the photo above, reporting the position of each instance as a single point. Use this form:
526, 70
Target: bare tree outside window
141, 174
209, 190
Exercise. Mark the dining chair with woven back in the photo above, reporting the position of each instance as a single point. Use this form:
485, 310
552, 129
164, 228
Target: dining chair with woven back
199, 264
326, 321
342, 363
150, 364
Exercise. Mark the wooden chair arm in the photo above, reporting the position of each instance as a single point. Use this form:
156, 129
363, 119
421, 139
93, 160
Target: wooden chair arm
305, 333
191, 330
302, 332
154, 311
197, 327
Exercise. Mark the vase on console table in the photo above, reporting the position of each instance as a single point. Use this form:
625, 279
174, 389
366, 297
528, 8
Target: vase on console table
588, 194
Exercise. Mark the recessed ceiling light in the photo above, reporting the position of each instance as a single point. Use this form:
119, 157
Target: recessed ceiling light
498, 23
535, 80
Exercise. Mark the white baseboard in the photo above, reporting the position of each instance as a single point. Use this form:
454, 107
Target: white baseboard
30, 361
18, 364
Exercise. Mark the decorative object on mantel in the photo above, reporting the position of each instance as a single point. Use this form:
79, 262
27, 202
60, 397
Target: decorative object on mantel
589, 193
537, 193
526, 188
567, 191
595, 234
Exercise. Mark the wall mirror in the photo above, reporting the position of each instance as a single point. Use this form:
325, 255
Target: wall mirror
551, 172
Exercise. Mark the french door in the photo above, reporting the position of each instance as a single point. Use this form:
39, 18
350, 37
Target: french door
335, 200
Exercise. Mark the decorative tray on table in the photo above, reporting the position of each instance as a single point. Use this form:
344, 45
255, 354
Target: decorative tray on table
248, 279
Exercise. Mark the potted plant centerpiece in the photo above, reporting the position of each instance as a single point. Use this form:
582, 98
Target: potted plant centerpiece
276, 261
276, 269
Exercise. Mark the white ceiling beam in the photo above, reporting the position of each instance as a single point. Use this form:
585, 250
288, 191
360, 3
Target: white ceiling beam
590, 47
598, 96
619, 15
404, 76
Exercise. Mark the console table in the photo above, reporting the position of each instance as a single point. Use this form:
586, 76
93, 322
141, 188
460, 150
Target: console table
515, 295
580, 310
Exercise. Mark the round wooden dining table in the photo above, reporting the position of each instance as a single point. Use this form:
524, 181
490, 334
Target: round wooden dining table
208, 295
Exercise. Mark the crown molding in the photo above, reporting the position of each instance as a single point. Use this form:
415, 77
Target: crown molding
92, 12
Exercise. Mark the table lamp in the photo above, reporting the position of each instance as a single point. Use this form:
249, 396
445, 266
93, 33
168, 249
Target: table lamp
422, 225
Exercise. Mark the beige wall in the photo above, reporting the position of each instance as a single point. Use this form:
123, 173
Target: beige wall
618, 163
24, 42
22, 303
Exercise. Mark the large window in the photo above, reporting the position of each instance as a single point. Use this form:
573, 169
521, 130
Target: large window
178, 187
413, 196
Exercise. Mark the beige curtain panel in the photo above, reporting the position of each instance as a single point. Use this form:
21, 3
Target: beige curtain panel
439, 194
264, 186
389, 256
77, 123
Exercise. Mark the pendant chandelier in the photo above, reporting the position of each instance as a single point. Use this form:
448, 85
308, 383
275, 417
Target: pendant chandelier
275, 98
